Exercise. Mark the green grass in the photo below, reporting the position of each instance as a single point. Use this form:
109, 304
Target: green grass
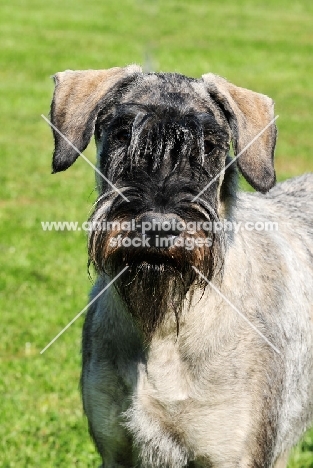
265, 46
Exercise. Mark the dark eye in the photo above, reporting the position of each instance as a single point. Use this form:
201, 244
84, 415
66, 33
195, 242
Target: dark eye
123, 136
208, 146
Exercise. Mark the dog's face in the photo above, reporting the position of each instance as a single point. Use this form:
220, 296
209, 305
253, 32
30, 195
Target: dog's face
161, 139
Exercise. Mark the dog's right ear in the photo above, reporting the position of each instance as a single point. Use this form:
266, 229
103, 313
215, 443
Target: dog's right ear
75, 107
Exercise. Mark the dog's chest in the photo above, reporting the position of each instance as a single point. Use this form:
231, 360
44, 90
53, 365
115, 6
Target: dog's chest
166, 377
164, 385
173, 401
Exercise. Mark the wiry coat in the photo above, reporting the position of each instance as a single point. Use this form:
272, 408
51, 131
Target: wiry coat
198, 387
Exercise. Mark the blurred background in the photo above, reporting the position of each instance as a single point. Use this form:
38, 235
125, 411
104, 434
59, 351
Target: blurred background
263, 46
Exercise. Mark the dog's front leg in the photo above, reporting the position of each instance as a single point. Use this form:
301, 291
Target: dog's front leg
103, 410
105, 393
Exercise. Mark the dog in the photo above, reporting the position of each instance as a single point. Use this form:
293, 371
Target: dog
197, 352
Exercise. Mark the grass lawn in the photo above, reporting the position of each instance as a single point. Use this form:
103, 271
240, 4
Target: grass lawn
264, 46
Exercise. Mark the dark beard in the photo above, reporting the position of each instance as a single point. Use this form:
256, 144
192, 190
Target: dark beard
157, 280
153, 291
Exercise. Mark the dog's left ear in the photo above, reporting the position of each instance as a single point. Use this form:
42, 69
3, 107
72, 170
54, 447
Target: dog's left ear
75, 107
248, 113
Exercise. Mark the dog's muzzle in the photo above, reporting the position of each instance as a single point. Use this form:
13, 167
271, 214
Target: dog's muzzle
161, 229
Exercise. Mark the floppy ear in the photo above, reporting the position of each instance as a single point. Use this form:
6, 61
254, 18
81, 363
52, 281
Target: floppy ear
75, 107
248, 113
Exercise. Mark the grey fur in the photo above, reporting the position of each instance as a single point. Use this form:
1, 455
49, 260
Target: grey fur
214, 394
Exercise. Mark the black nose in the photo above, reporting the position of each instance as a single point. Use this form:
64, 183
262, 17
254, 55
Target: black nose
159, 224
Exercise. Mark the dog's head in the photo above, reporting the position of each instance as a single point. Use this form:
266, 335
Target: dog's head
162, 147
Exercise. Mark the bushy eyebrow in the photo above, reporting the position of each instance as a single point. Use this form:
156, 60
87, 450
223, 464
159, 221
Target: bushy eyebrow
131, 109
